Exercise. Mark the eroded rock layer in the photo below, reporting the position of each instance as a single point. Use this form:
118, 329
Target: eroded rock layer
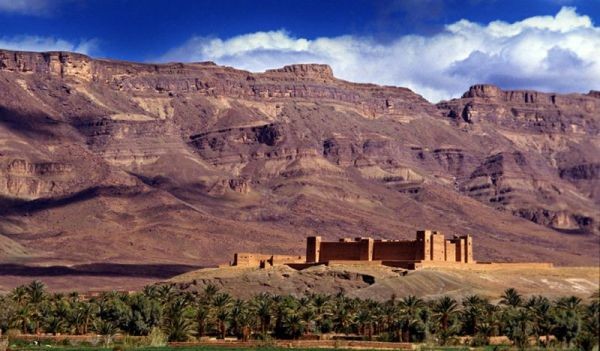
187, 163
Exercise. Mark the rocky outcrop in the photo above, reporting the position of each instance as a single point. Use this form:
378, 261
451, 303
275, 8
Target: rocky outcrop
310, 71
51, 63
521, 109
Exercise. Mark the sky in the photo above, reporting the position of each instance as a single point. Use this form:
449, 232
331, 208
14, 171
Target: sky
438, 48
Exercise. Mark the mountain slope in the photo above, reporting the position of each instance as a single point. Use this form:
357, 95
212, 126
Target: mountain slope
187, 163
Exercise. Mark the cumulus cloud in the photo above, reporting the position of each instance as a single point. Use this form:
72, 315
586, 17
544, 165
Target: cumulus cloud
550, 53
37, 43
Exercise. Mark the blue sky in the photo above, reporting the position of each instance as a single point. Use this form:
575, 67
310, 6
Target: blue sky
435, 47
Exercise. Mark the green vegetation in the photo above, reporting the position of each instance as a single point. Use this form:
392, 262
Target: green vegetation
164, 313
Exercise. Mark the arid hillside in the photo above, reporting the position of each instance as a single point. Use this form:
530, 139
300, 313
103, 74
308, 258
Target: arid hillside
381, 282
109, 161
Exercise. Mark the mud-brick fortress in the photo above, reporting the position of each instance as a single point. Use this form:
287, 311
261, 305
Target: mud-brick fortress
429, 249
429, 246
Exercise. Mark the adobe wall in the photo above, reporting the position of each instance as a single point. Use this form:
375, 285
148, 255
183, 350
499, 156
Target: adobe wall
285, 259
423, 245
515, 265
460, 249
395, 250
249, 259
313, 249
469, 249
450, 251
484, 266
331, 251
438, 247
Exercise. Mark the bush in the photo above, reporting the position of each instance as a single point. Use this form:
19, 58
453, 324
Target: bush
386, 337
584, 342
479, 340
11, 334
156, 338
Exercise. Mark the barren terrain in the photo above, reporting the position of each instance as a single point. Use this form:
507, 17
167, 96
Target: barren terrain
116, 162
381, 282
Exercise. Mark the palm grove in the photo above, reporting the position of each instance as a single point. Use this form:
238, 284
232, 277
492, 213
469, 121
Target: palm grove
182, 315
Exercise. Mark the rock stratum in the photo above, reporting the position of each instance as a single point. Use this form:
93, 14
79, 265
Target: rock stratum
123, 162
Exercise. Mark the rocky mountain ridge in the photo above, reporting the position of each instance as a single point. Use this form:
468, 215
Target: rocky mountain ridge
187, 163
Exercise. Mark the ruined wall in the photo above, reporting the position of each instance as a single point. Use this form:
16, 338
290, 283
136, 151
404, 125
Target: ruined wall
395, 250
246, 259
276, 260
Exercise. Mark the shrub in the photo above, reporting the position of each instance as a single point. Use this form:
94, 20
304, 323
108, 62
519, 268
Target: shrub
156, 338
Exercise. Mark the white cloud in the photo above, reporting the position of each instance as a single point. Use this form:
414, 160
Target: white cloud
26, 7
37, 43
551, 53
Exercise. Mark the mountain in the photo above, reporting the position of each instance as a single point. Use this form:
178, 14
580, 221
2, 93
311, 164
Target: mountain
112, 161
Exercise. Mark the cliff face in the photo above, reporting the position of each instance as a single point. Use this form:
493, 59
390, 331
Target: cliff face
552, 177
188, 163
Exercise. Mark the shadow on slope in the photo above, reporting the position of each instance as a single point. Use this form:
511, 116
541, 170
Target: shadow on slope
11, 206
158, 271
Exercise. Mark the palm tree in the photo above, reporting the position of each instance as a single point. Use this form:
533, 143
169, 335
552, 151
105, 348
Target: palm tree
444, 311
343, 318
519, 328
263, 305
511, 297
244, 319
321, 308
165, 292
176, 323
283, 307
308, 315
202, 317
567, 319
82, 316
409, 309
36, 293
365, 320
54, 324
293, 324
222, 304
19, 295
540, 310
589, 334
209, 292
23, 318
106, 329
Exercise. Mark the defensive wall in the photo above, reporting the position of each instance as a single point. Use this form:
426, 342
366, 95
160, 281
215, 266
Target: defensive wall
428, 249
428, 246
246, 259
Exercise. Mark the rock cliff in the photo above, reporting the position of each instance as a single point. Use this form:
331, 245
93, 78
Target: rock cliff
187, 163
